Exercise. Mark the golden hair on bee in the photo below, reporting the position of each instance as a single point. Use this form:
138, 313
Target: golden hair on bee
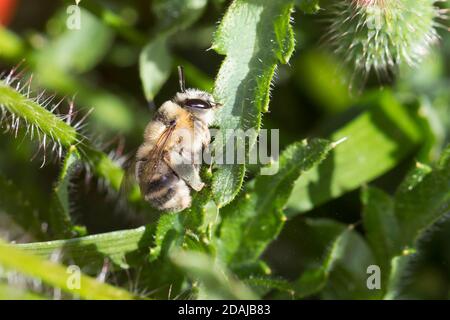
165, 167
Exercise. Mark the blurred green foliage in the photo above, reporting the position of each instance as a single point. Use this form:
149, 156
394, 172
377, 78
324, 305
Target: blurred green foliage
376, 192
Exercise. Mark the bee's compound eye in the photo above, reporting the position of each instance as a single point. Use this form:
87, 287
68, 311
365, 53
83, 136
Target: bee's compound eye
197, 103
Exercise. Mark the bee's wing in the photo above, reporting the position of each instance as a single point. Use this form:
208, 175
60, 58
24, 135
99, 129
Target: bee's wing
156, 155
146, 167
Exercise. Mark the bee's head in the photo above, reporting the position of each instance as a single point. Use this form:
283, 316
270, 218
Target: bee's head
198, 102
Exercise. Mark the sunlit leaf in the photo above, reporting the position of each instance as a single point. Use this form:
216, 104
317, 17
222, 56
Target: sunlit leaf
421, 203
377, 140
254, 220
254, 36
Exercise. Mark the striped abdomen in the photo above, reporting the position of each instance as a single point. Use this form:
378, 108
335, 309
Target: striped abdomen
165, 190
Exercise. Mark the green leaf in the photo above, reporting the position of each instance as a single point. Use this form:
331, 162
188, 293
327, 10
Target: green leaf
255, 219
46, 127
383, 233
394, 225
254, 36
341, 272
399, 271
314, 279
118, 20
56, 275
423, 200
155, 62
327, 83
155, 65
216, 282
111, 111
168, 230
176, 15
121, 247
11, 293
11, 46
185, 230
73, 50
263, 285
60, 221
14, 203
348, 277
378, 139
308, 6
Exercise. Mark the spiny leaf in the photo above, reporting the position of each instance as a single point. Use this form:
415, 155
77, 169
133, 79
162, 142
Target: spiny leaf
61, 224
111, 112
399, 272
378, 140
168, 226
71, 52
38, 119
394, 225
17, 106
254, 36
424, 202
56, 275
252, 221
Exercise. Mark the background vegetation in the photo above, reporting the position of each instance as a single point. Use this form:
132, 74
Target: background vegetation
371, 185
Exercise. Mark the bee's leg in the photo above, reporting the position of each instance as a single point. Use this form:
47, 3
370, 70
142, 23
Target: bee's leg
184, 169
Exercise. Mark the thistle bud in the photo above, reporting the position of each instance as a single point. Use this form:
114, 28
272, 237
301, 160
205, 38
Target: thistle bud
379, 35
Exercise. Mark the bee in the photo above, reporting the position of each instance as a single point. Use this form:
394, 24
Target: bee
165, 166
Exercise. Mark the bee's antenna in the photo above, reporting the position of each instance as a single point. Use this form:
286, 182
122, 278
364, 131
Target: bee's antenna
181, 78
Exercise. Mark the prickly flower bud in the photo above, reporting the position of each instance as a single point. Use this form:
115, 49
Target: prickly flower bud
378, 35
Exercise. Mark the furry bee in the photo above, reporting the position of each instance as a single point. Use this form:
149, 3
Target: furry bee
177, 135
